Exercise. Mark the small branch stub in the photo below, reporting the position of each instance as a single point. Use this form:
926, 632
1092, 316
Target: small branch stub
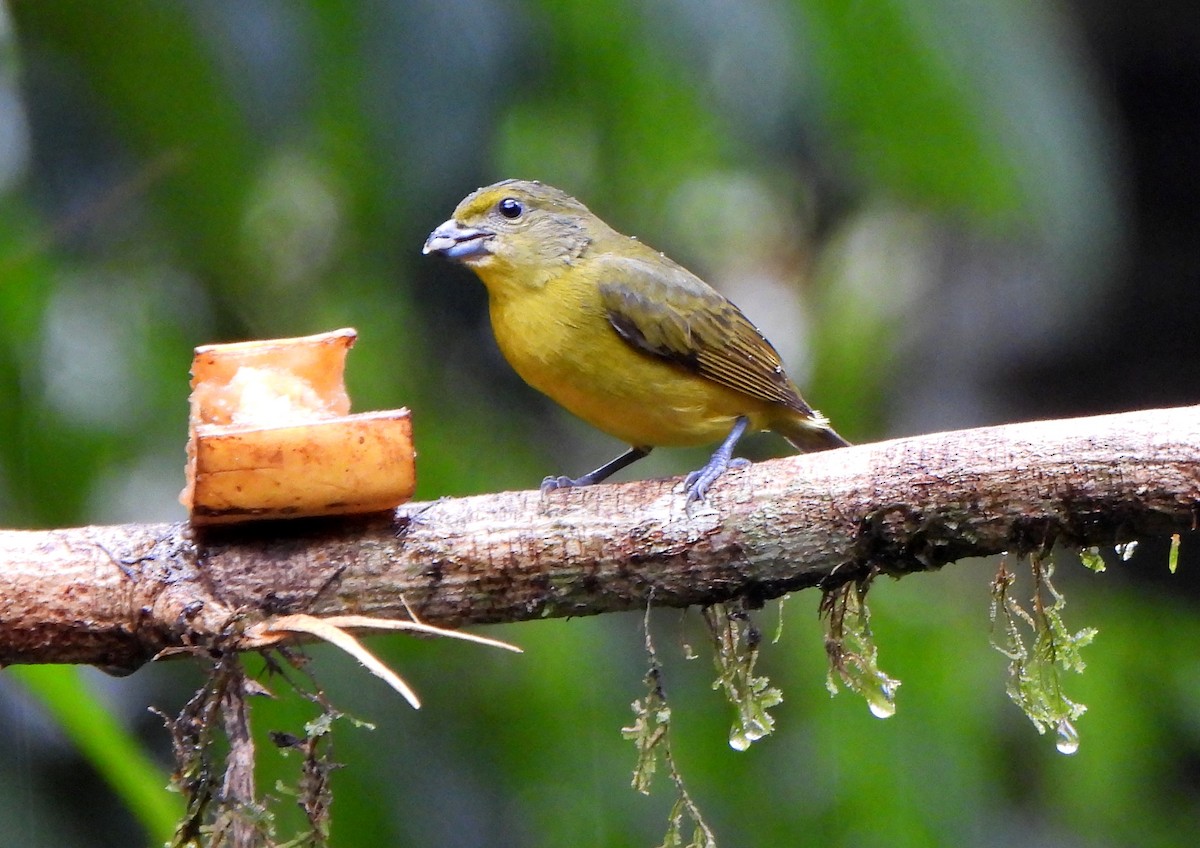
332, 630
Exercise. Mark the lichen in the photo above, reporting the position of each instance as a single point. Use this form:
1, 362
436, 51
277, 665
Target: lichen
651, 736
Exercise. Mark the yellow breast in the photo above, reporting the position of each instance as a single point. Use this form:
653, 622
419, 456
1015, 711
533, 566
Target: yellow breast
558, 338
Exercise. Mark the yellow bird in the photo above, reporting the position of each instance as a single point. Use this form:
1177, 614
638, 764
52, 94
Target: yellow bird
620, 335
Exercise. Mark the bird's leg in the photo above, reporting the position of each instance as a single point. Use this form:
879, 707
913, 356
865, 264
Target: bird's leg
698, 481
602, 473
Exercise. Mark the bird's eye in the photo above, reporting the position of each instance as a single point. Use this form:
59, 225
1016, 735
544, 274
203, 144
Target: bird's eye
510, 208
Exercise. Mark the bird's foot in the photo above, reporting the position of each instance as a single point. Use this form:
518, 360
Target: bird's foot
698, 482
553, 483
606, 470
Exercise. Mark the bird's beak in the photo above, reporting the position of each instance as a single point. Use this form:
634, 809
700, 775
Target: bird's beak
454, 241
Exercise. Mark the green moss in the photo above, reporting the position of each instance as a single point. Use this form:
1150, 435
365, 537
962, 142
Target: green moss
735, 642
850, 645
1039, 648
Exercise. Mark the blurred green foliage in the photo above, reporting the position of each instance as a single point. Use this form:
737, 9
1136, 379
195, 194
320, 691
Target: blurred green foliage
173, 174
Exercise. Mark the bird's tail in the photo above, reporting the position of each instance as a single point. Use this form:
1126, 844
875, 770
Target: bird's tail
809, 433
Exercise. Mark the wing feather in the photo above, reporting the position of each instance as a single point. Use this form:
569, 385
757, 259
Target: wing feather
672, 314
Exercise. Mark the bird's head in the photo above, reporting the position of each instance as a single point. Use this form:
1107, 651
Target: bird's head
517, 231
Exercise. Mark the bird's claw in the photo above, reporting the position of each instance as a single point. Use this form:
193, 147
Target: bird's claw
697, 483
554, 483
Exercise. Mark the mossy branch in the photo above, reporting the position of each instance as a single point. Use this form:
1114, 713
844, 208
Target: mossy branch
118, 596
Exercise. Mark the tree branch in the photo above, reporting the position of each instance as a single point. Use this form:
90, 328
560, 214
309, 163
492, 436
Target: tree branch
118, 596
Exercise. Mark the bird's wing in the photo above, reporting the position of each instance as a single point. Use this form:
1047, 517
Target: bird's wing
666, 311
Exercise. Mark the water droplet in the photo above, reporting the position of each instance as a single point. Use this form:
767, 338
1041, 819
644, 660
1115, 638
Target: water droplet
882, 709
1125, 551
882, 702
1068, 738
748, 731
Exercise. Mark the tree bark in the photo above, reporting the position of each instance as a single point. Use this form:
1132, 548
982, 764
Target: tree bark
118, 596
